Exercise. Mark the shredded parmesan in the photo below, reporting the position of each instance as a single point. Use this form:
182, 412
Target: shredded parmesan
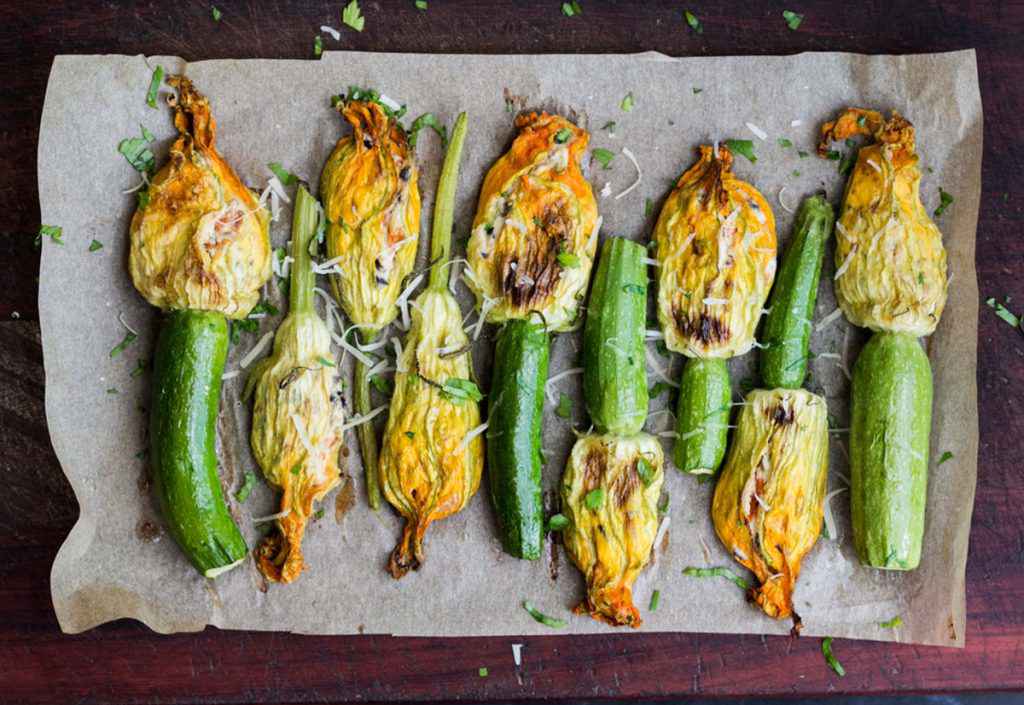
517, 654
874, 166
392, 104
654, 335
658, 370
331, 31
328, 266
403, 298
639, 173
711, 301
662, 529
650, 262
272, 517
738, 552
830, 522
761, 134
300, 429
470, 436
785, 206
606, 190
846, 263
399, 363
705, 549
796, 123
256, 350
360, 420
555, 379
230, 375
348, 347
670, 434
120, 317
827, 320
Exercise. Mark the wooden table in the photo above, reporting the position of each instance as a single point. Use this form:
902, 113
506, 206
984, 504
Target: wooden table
124, 662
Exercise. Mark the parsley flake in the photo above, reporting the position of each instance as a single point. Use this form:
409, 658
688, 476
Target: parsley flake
571, 9
136, 151
129, 338
568, 260
648, 207
318, 45
832, 661
95, 245
154, 86
784, 143
610, 126
428, 120
896, 621
627, 103
563, 135
283, 175
946, 455
217, 14
421, 4
603, 156
564, 408
557, 522
645, 470
54, 232
792, 19
248, 482
594, 499
717, 573
352, 17
945, 200
695, 25
744, 148
543, 618
1004, 312
458, 390
655, 599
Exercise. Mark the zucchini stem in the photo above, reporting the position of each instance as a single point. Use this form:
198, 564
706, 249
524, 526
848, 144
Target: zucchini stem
368, 447
444, 208
304, 225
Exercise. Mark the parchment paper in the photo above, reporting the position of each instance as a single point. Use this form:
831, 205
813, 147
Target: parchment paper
116, 561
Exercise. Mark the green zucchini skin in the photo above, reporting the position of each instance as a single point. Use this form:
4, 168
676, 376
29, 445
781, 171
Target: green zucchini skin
614, 378
787, 330
702, 415
515, 420
187, 369
890, 424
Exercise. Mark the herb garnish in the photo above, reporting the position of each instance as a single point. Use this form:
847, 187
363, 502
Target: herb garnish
826, 649
657, 390
719, 572
283, 175
697, 91
792, 19
543, 618
785, 143
95, 245
603, 156
571, 9
568, 260
849, 159
695, 25
421, 4
557, 522
217, 14
381, 384
428, 120
248, 482
141, 365
128, 339
563, 135
945, 200
54, 232
318, 45
610, 126
655, 599
353, 17
154, 86
946, 455
645, 470
892, 623
594, 499
136, 151
564, 408
627, 103
1004, 312
458, 390
648, 207
482, 671
743, 147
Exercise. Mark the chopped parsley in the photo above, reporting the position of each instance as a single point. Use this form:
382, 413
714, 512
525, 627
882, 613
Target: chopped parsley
832, 661
719, 572
112, 390
945, 200
381, 384
655, 599
319, 514
594, 499
639, 289
458, 390
645, 470
695, 25
568, 260
610, 126
143, 198
283, 175
648, 207
896, 621
297, 468
266, 307
217, 14
154, 86
557, 522
410, 434
744, 148
421, 4
353, 17
564, 408
792, 19
785, 143
318, 45
571, 9
946, 455
248, 482
849, 159
136, 151
563, 135
697, 91
128, 339
833, 155
603, 156
428, 120
796, 173
658, 389
663, 504
325, 362
802, 154
95, 245
627, 103
1004, 312
543, 618
482, 671
141, 365
54, 232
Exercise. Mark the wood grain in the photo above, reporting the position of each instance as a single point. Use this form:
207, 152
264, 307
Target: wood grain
124, 662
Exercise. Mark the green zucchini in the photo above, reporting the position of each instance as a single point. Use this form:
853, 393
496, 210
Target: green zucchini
890, 424
515, 417
187, 369
787, 330
702, 416
614, 377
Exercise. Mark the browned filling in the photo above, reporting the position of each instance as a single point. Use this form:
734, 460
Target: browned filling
706, 329
530, 272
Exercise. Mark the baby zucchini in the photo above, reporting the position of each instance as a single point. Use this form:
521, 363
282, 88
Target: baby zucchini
787, 330
515, 419
614, 378
890, 420
702, 417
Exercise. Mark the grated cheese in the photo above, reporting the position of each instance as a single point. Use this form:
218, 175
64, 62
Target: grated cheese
517, 654
650, 262
331, 31
606, 190
654, 335
399, 363
272, 517
300, 429
256, 350
639, 173
662, 530
392, 104
786, 207
827, 320
230, 375
761, 134
120, 317
738, 552
555, 379
796, 123
830, 522
464, 444
658, 370
874, 166
711, 301
846, 263
360, 420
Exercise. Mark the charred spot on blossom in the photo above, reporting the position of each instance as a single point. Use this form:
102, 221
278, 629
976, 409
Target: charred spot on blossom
531, 271
780, 414
706, 329
368, 141
594, 466
405, 173
626, 484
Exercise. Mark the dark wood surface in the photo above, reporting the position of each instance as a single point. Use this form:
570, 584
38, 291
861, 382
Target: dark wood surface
124, 662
